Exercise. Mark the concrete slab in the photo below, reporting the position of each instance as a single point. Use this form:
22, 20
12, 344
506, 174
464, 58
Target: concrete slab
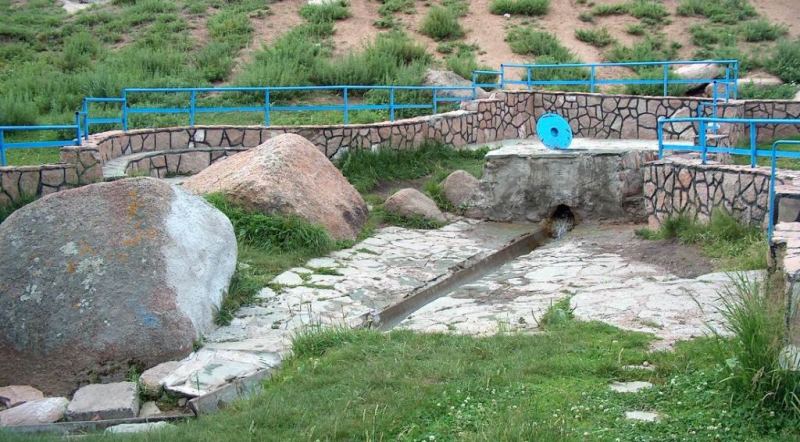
104, 401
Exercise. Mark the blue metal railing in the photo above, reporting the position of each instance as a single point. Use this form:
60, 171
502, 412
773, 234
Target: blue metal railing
267, 107
530, 80
5, 146
752, 150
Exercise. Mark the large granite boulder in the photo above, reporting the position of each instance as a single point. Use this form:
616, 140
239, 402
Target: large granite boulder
108, 275
460, 187
411, 203
287, 175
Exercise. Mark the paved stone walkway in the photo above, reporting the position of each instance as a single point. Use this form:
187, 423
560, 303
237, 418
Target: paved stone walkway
601, 286
345, 288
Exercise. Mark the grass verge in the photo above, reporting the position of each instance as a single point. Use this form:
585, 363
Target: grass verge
732, 245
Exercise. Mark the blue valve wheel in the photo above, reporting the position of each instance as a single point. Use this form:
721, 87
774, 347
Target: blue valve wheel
554, 131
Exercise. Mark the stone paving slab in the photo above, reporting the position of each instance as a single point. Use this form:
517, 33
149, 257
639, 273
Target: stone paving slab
601, 286
344, 288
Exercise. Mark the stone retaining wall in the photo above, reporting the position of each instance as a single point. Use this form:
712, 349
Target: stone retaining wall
177, 162
23, 182
784, 267
678, 186
773, 109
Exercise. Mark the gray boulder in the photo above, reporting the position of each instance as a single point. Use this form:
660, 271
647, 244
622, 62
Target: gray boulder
102, 276
460, 187
42, 411
411, 202
449, 78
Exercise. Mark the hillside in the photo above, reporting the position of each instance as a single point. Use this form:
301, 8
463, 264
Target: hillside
50, 58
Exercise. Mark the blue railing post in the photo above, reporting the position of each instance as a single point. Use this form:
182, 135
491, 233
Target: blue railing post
660, 132
502, 75
346, 110
85, 110
528, 81
753, 144
703, 143
391, 101
78, 128
666, 80
591, 80
3, 161
124, 110
192, 107
266, 107
736, 79
435, 101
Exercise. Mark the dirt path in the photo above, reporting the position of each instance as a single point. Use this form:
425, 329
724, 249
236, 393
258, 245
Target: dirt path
358, 29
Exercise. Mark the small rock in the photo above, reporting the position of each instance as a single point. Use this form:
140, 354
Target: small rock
182, 402
411, 202
207, 370
506, 15
318, 263
42, 411
629, 387
288, 278
149, 409
139, 428
151, 381
638, 367
104, 401
459, 187
14, 395
266, 293
644, 416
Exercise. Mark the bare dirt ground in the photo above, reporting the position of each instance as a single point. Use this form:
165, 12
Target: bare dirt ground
685, 261
786, 12
358, 29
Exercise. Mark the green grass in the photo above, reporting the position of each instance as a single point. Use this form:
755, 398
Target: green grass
719, 11
441, 24
635, 29
730, 244
767, 92
605, 10
366, 170
785, 62
326, 12
365, 385
650, 12
268, 245
598, 37
782, 163
761, 30
520, 7
526, 40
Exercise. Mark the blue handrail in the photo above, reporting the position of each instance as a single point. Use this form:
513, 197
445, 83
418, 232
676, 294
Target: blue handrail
4, 146
730, 79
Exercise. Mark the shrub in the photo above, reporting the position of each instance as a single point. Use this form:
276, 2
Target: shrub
767, 92
785, 63
649, 11
718, 11
273, 232
527, 41
586, 17
441, 24
230, 26
752, 357
17, 110
635, 29
650, 49
79, 49
761, 30
595, 37
611, 9
326, 12
520, 7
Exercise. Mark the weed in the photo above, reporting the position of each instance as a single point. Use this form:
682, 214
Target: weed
586, 17
441, 24
605, 10
761, 30
598, 37
719, 11
735, 246
326, 12
785, 63
752, 358
635, 29
651, 12
519, 7
527, 41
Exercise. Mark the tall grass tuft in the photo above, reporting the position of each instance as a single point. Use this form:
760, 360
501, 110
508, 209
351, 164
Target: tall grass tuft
752, 357
281, 233
599, 37
520, 7
528, 41
441, 24
762, 30
785, 63
718, 11
326, 12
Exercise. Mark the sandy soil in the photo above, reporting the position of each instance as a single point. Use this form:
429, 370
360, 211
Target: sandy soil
357, 30
786, 12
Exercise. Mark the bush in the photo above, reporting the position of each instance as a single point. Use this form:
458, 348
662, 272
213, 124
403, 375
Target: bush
527, 41
611, 9
441, 24
326, 12
273, 232
520, 7
785, 63
649, 11
769, 92
761, 30
595, 37
752, 357
17, 110
718, 11
650, 49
